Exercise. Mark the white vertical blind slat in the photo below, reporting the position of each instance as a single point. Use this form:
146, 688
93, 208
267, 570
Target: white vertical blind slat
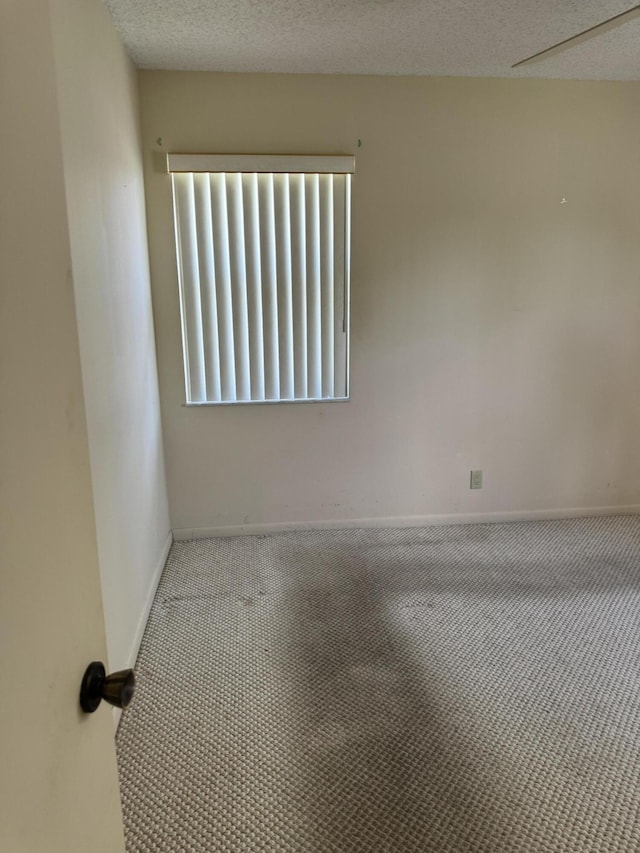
222, 265
268, 265
347, 286
299, 283
327, 283
340, 285
314, 304
254, 284
237, 256
285, 302
189, 287
204, 244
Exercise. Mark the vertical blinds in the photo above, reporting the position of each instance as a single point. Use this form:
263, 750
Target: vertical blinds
263, 268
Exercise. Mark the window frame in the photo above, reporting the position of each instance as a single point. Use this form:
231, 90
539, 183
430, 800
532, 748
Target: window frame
228, 166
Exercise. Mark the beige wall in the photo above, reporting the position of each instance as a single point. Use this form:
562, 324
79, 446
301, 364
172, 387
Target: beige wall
58, 776
103, 175
493, 326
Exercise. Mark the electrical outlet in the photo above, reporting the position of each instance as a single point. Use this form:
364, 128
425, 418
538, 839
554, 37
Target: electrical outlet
475, 480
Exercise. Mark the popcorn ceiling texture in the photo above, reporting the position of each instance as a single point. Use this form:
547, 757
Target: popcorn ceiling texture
470, 689
414, 37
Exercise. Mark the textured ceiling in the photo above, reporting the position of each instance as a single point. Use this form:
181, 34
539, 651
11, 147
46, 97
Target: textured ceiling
427, 37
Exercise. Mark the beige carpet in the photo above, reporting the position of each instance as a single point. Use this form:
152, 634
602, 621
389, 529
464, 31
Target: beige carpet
450, 689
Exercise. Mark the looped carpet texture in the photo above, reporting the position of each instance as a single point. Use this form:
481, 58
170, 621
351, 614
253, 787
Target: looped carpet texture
471, 688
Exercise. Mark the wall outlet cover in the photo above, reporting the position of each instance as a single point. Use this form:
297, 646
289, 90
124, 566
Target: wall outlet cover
475, 480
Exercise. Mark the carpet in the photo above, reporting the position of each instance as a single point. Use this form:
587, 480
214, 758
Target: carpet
471, 688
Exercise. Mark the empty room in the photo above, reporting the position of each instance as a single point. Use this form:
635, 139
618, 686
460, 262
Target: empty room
320, 406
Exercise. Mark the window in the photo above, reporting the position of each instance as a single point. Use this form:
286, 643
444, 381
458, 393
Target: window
263, 252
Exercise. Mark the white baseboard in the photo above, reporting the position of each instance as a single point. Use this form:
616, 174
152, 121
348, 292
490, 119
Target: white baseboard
144, 615
182, 533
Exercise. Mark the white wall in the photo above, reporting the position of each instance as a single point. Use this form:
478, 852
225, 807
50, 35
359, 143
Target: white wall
493, 326
103, 176
58, 774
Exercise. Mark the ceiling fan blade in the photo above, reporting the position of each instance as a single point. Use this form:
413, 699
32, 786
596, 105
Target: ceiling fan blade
585, 35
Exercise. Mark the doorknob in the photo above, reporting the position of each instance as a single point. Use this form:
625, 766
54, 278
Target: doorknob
116, 689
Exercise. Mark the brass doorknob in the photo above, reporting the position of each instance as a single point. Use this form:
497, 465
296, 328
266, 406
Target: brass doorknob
116, 689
